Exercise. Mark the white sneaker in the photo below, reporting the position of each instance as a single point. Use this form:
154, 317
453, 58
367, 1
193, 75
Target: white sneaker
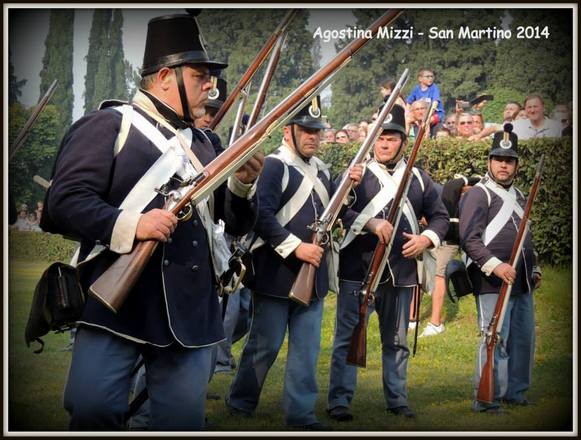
432, 330
412, 325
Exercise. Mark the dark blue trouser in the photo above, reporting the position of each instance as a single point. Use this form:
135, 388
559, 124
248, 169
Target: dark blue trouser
392, 305
97, 389
271, 318
514, 355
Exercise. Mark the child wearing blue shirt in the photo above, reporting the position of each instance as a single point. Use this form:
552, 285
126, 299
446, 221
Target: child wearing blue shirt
428, 91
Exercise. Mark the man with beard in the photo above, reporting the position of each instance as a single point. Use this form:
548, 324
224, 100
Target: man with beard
490, 215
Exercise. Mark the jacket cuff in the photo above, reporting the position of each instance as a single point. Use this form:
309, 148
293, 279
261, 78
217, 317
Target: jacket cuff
288, 246
433, 238
358, 226
490, 265
124, 230
242, 190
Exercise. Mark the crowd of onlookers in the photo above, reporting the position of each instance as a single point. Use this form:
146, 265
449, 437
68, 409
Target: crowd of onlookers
28, 220
529, 119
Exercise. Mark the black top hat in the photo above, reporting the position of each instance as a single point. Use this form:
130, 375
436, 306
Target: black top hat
505, 143
310, 116
395, 120
173, 40
217, 95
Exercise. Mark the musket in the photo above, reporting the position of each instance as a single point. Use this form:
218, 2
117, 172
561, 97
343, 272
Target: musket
302, 289
266, 80
254, 66
113, 286
357, 353
486, 386
261, 95
31, 120
239, 114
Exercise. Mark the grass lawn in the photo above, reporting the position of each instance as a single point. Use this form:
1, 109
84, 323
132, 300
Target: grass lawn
439, 385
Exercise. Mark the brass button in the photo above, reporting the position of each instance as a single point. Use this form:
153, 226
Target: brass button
194, 243
166, 262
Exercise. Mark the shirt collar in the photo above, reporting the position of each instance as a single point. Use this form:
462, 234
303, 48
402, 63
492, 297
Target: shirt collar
152, 103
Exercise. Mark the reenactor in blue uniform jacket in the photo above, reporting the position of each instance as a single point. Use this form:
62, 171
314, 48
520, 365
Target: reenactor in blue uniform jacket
365, 223
293, 189
216, 97
490, 215
103, 192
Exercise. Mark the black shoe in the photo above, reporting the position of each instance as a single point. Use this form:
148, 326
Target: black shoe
403, 411
317, 426
238, 412
340, 413
513, 402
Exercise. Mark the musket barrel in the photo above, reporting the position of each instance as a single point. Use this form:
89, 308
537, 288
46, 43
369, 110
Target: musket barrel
217, 171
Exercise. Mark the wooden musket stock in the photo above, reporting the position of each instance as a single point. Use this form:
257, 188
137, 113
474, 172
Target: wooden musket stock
113, 286
303, 287
486, 386
357, 352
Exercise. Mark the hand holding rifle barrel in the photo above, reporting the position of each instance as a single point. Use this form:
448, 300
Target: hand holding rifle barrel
113, 286
486, 386
302, 289
357, 353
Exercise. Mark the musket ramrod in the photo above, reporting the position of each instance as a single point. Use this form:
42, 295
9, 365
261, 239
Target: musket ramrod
113, 286
302, 289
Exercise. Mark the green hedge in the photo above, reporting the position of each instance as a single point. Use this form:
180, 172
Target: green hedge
39, 246
442, 158
553, 209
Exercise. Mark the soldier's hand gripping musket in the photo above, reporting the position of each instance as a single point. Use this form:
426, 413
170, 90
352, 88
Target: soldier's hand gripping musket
113, 286
358, 346
486, 386
302, 289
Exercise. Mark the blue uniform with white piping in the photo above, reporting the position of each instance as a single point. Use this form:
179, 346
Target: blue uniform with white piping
172, 314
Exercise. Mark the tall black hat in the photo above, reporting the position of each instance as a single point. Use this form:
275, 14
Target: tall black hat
505, 143
395, 120
310, 116
217, 95
173, 40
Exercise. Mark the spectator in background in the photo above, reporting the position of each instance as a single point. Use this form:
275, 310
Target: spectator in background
464, 125
362, 132
38, 212
386, 89
478, 122
341, 137
428, 91
22, 222
450, 123
415, 117
537, 125
352, 130
328, 136
511, 110
443, 132
562, 115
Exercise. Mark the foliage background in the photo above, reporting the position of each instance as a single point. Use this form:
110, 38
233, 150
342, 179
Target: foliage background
553, 208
